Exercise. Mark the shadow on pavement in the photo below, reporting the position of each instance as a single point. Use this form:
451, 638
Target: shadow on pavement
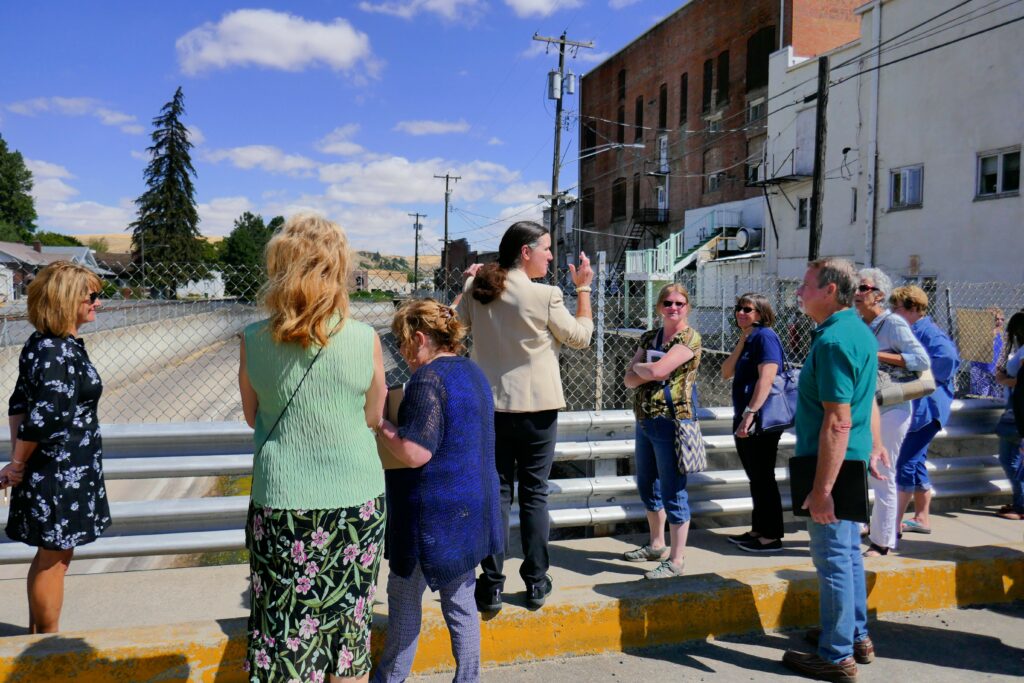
57, 658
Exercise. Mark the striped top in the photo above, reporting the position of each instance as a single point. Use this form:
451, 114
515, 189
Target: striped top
321, 455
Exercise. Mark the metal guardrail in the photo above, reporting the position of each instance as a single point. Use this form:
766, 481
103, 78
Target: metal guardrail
194, 525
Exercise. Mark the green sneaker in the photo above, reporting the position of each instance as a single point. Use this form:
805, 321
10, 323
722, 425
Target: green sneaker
646, 553
665, 570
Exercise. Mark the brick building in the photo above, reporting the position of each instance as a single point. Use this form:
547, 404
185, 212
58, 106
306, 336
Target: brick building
676, 119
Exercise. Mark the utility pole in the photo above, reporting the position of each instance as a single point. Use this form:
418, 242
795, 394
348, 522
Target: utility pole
818, 182
416, 227
555, 93
448, 177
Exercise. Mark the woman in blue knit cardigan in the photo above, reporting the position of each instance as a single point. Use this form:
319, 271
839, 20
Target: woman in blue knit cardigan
444, 514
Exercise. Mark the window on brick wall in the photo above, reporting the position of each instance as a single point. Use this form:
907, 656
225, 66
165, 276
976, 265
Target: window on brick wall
636, 194
759, 48
589, 135
663, 106
620, 129
638, 118
709, 74
622, 84
723, 78
684, 86
587, 208
619, 199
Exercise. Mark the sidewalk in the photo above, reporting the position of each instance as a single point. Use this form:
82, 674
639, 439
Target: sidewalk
599, 604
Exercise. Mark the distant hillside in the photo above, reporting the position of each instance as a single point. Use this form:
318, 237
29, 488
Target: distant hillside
371, 260
121, 242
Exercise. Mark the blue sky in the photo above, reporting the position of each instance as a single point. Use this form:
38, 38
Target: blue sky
345, 108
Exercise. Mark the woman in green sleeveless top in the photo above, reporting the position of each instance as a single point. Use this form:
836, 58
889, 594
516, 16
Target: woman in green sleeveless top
312, 384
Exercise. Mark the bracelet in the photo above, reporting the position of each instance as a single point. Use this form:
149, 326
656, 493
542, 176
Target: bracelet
583, 289
376, 430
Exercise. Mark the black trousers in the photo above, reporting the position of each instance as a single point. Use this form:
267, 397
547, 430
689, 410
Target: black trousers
524, 447
758, 455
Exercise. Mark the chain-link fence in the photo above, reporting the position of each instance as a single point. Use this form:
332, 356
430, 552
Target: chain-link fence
166, 339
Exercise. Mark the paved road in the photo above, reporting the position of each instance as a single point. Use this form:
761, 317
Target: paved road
978, 644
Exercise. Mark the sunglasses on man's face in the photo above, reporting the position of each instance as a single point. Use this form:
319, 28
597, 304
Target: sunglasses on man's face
746, 309
671, 304
863, 289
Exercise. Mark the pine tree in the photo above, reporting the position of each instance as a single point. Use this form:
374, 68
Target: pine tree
17, 208
166, 230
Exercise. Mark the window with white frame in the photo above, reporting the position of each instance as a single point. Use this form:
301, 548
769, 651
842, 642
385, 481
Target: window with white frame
998, 172
715, 181
803, 213
906, 187
756, 110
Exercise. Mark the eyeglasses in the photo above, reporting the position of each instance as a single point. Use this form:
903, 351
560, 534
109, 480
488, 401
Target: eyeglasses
93, 296
746, 309
867, 288
675, 304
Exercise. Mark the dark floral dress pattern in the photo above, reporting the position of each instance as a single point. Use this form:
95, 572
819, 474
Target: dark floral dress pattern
62, 501
312, 578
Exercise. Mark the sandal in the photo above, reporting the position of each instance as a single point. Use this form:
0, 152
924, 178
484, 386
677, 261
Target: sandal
875, 550
915, 527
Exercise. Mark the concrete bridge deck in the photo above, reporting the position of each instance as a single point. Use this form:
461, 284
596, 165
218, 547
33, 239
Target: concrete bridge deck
188, 624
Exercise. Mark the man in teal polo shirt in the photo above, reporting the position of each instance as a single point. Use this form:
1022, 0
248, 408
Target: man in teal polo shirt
836, 420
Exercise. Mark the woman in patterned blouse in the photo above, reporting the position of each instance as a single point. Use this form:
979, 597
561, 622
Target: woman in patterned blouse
59, 500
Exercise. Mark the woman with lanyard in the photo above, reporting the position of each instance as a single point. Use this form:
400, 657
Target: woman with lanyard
663, 372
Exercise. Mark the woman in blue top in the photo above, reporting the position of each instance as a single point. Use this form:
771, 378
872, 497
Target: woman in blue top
752, 365
930, 413
1010, 443
444, 513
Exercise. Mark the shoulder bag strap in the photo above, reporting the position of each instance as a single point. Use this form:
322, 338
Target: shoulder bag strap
290, 398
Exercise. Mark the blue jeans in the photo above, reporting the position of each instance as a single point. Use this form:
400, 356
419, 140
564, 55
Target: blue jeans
911, 472
842, 605
1013, 465
658, 479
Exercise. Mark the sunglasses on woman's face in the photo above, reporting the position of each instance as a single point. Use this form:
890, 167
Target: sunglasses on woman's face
864, 289
671, 304
93, 296
746, 309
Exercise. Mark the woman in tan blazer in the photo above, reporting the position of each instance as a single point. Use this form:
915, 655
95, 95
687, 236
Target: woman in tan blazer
519, 327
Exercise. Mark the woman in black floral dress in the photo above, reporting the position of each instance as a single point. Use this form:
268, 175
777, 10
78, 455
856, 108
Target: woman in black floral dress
59, 499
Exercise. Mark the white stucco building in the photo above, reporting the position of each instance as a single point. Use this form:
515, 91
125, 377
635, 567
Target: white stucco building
923, 150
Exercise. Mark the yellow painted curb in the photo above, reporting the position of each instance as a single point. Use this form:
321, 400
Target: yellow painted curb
602, 618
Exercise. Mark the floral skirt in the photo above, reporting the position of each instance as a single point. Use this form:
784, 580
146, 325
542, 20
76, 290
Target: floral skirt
313, 575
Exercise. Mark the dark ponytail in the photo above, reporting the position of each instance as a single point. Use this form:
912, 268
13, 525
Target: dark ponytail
489, 282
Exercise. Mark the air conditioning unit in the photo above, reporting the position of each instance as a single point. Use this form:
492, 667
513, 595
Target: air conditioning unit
748, 239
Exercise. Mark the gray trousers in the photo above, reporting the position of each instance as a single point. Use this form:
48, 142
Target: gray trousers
405, 612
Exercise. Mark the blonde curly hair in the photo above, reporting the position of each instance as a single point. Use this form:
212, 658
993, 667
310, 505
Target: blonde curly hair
307, 268
437, 321
55, 294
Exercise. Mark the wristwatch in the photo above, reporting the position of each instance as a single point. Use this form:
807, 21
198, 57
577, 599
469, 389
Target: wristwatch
749, 411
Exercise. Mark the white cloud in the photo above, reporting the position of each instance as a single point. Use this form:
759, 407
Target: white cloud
44, 169
593, 57
264, 157
78, 106
195, 135
141, 155
217, 216
541, 8
274, 40
338, 141
432, 127
495, 141
85, 217
397, 180
407, 9
521, 193
620, 4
